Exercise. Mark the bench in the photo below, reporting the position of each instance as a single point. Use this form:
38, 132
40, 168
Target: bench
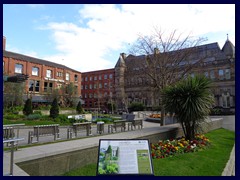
77, 127
137, 122
118, 123
43, 130
9, 132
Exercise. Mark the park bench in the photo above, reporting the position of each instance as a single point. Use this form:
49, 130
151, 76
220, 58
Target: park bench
116, 124
43, 130
10, 133
78, 127
137, 122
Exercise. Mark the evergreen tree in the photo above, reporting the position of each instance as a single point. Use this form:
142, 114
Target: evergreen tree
54, 111
79, 108
28, 107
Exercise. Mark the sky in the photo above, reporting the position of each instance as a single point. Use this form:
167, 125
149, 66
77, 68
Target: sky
88, 37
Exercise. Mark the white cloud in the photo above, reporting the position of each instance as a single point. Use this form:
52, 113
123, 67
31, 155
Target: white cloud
35, 5
111, 27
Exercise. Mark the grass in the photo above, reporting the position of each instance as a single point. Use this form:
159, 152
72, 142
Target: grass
208, 162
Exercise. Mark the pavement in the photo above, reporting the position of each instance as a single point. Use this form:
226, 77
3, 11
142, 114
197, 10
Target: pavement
41, 151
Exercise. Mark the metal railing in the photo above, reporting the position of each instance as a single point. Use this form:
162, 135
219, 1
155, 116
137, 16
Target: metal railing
9, 132
12, 141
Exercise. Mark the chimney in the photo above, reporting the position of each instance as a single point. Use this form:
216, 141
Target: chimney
4, 42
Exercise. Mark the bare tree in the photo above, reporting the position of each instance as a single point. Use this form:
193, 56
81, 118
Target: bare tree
166, 59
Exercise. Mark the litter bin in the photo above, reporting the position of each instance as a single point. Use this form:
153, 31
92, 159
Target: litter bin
100, 127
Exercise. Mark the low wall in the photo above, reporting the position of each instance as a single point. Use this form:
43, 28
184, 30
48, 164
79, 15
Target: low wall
53, 165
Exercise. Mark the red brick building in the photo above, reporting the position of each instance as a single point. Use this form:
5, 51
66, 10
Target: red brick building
44, 76
98, 89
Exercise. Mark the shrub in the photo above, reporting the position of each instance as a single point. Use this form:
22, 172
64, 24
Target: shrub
54, 111
136, 107
37, 112
79, 108
13, 116
34, 116
28, 107
62, 118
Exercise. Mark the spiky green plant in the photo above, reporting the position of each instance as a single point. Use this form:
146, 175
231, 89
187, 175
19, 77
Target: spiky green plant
190, 99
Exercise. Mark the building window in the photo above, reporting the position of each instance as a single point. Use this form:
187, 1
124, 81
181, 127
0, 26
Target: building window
67, 77
227, 74
192, 75
95, 86
105, 85
19, 68
206, 74
48, 86
86, 86
35, 71
86, 79
85, 95
90, 86
59, 86
212, 74
90, 79
33, 86
110, 76
105, 94
81, 86
100, 85
76, 78
59, 74
95, 78
221, 74
90, 95
49, 73
110, 85
105, 76
100, 77
226, 99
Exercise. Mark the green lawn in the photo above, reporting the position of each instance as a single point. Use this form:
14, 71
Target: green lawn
209, 162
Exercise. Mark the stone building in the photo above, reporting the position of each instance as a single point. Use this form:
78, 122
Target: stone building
133, 85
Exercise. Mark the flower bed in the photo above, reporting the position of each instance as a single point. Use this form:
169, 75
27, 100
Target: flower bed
172, 147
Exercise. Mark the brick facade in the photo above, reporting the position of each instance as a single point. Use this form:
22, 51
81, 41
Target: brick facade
98, 89
39, 83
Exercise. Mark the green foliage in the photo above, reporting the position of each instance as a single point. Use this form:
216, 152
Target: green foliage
136, 107
112, 168
37, 112
105, 120
109, 150
79, 108
13, 116
28, 107
34, 116
191, 100
62, 118
54, 111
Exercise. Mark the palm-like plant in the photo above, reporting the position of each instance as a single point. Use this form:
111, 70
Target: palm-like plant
190, 100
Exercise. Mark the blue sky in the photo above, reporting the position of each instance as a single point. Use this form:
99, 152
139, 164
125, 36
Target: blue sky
91, 37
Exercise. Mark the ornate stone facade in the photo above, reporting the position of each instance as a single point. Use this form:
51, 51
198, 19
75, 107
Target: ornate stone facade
133, 85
